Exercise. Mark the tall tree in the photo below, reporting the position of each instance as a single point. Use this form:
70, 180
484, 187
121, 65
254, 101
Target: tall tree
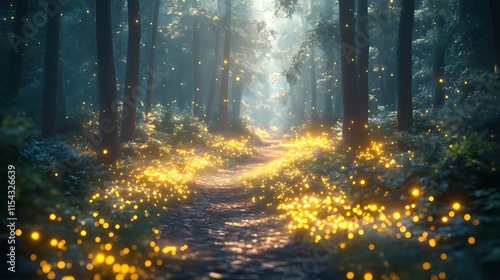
328, 26
363, 53
108, 113
329, 91
93, 67
215, 79
237, 98
404, 65
152, 58
61, 91
224, 91
197, 97
18, 42
132, 71
50, 81
438, 64
332, 95
352, 125
495, 18
314, 89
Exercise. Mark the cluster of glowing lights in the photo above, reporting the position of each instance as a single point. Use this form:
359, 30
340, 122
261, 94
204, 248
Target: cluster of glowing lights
329, 210
116, 234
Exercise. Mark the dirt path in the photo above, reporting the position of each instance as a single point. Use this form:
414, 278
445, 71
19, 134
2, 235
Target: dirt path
227, 237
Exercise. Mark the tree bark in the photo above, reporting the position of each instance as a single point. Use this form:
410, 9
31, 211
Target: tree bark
108, 113
329, 52
214, 80
301, 104
351, 129
93, 68
338, 110
495, 12
61, 91
152, 59
18, 43
438, 65
329, 91
362, 61
132, 72
314, 91
197, 93
404, 65
224, 92
50, 81
293, 102
237, 98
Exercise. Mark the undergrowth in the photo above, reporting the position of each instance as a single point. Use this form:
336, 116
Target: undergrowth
410, 206
79, 219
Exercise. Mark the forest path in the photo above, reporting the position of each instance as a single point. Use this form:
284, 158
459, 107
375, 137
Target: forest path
228, 237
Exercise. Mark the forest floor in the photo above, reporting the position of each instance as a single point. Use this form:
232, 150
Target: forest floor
228, 236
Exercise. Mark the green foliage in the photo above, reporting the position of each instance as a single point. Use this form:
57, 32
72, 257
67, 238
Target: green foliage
14, 132
175, 128
452, 155
286, 7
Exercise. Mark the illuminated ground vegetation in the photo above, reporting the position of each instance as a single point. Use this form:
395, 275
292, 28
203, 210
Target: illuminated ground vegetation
381, 213
412, 206
113, 231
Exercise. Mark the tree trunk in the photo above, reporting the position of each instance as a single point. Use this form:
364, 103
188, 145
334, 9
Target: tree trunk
237, 98
50, 81
438, 65
301, 104
329, 91
152, 59
108, 115
495, 12
338, 110
314, 90
351, 129
362, 61
404, 65
329, 52
93, 68
213, 81
61, 91
197, 97
224, 92
384, 88
18, 42
293, 102
132, 72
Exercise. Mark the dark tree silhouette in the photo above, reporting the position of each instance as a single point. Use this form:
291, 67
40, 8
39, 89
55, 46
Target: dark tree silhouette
404, 65
329, 91
152, 58
352, 125
224, 91
197, 98
438, 64
93, 68
50, 82
495, 18
108, 114
61, 91
362, 60
18, 42
132, 72
237, 98
215, 74
313, 81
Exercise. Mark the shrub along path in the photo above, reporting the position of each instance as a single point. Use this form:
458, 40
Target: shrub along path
229, 238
